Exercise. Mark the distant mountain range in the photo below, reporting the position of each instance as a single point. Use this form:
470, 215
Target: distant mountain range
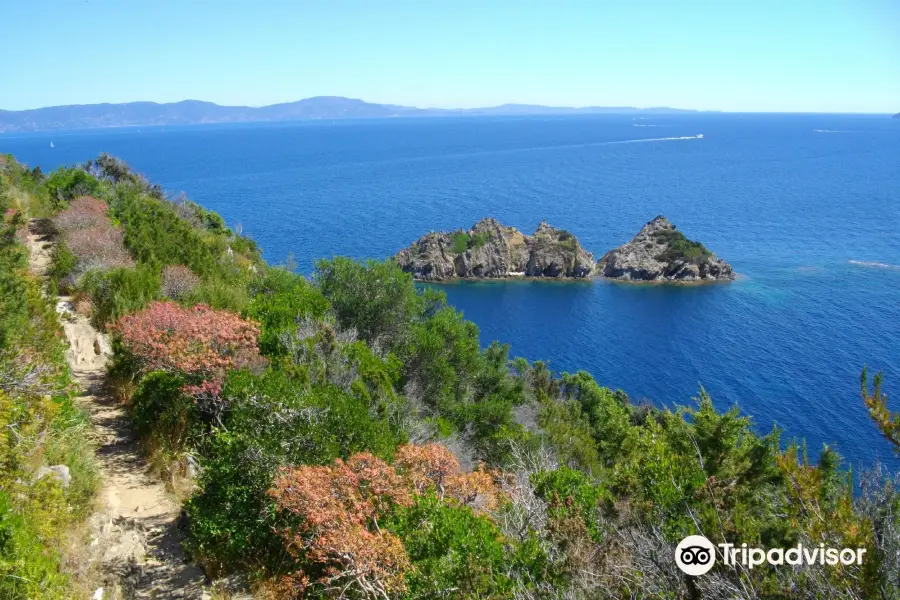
192, 112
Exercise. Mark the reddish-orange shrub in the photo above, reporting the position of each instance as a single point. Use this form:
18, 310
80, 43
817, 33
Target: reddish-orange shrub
338, 507
197, 341
435, 465
178, 281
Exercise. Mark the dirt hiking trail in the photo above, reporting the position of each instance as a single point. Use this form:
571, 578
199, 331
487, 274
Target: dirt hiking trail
135, 542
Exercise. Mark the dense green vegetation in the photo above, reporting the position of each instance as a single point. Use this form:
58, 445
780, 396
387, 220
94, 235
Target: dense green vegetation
39, 425
155, 232
351, 438
679, 247
462, 241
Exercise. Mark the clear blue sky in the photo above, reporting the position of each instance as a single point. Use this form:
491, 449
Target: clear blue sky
735, 55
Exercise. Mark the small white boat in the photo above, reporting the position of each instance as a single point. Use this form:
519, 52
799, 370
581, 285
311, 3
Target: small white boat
699, 136
51, 145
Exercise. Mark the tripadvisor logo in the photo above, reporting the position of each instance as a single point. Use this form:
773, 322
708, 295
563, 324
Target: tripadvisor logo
696, 555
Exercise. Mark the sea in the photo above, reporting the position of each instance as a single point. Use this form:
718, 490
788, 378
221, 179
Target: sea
805, 207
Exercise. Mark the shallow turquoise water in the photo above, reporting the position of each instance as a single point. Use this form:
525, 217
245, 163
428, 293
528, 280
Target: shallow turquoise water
789, 200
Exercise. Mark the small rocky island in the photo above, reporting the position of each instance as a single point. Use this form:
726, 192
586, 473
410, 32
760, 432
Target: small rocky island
659, 252
494, 251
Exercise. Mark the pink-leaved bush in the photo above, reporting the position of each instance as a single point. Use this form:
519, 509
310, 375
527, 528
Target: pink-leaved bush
91, 237
84, 212
196, 341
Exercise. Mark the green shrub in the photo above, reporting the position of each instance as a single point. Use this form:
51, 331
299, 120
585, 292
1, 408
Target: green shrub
571, 434
23, 189
375, 298
69, 443
155, 233
608, 412
219, 295
456, 553
679, 247
67, 183
13, 297
280, 300
199, 217
480, 239
62, 266
164, 416
572, 494
110, 169
460, 242
121, 291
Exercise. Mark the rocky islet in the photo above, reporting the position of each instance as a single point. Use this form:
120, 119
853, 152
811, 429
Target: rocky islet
491, 250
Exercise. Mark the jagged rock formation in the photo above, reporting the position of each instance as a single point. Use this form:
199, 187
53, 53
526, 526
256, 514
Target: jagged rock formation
491, 250
659, 252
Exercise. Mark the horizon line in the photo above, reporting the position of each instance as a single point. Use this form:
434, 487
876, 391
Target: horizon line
458, 109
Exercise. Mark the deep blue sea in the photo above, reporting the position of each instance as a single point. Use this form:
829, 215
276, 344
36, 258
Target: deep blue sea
805, 207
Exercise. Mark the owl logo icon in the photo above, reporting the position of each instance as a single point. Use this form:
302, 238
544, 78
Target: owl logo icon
695, 555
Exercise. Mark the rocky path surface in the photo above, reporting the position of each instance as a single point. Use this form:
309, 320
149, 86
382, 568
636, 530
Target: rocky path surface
135, 542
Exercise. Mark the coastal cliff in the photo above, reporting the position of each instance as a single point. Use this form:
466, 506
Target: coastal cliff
492, 250
659, 252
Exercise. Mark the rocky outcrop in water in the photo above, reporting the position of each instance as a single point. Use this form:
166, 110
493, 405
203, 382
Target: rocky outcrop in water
659, 252
492, 250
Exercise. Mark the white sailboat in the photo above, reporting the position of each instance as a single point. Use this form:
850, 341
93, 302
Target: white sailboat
51, 145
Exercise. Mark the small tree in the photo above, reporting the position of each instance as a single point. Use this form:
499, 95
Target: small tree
887, 422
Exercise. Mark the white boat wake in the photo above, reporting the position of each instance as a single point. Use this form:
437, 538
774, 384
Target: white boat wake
699, 136
877, 265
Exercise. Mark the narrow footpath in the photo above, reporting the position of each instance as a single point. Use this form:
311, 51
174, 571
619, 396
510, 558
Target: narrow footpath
135, 542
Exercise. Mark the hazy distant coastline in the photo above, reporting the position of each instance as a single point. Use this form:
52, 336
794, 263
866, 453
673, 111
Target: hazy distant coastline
195, 112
